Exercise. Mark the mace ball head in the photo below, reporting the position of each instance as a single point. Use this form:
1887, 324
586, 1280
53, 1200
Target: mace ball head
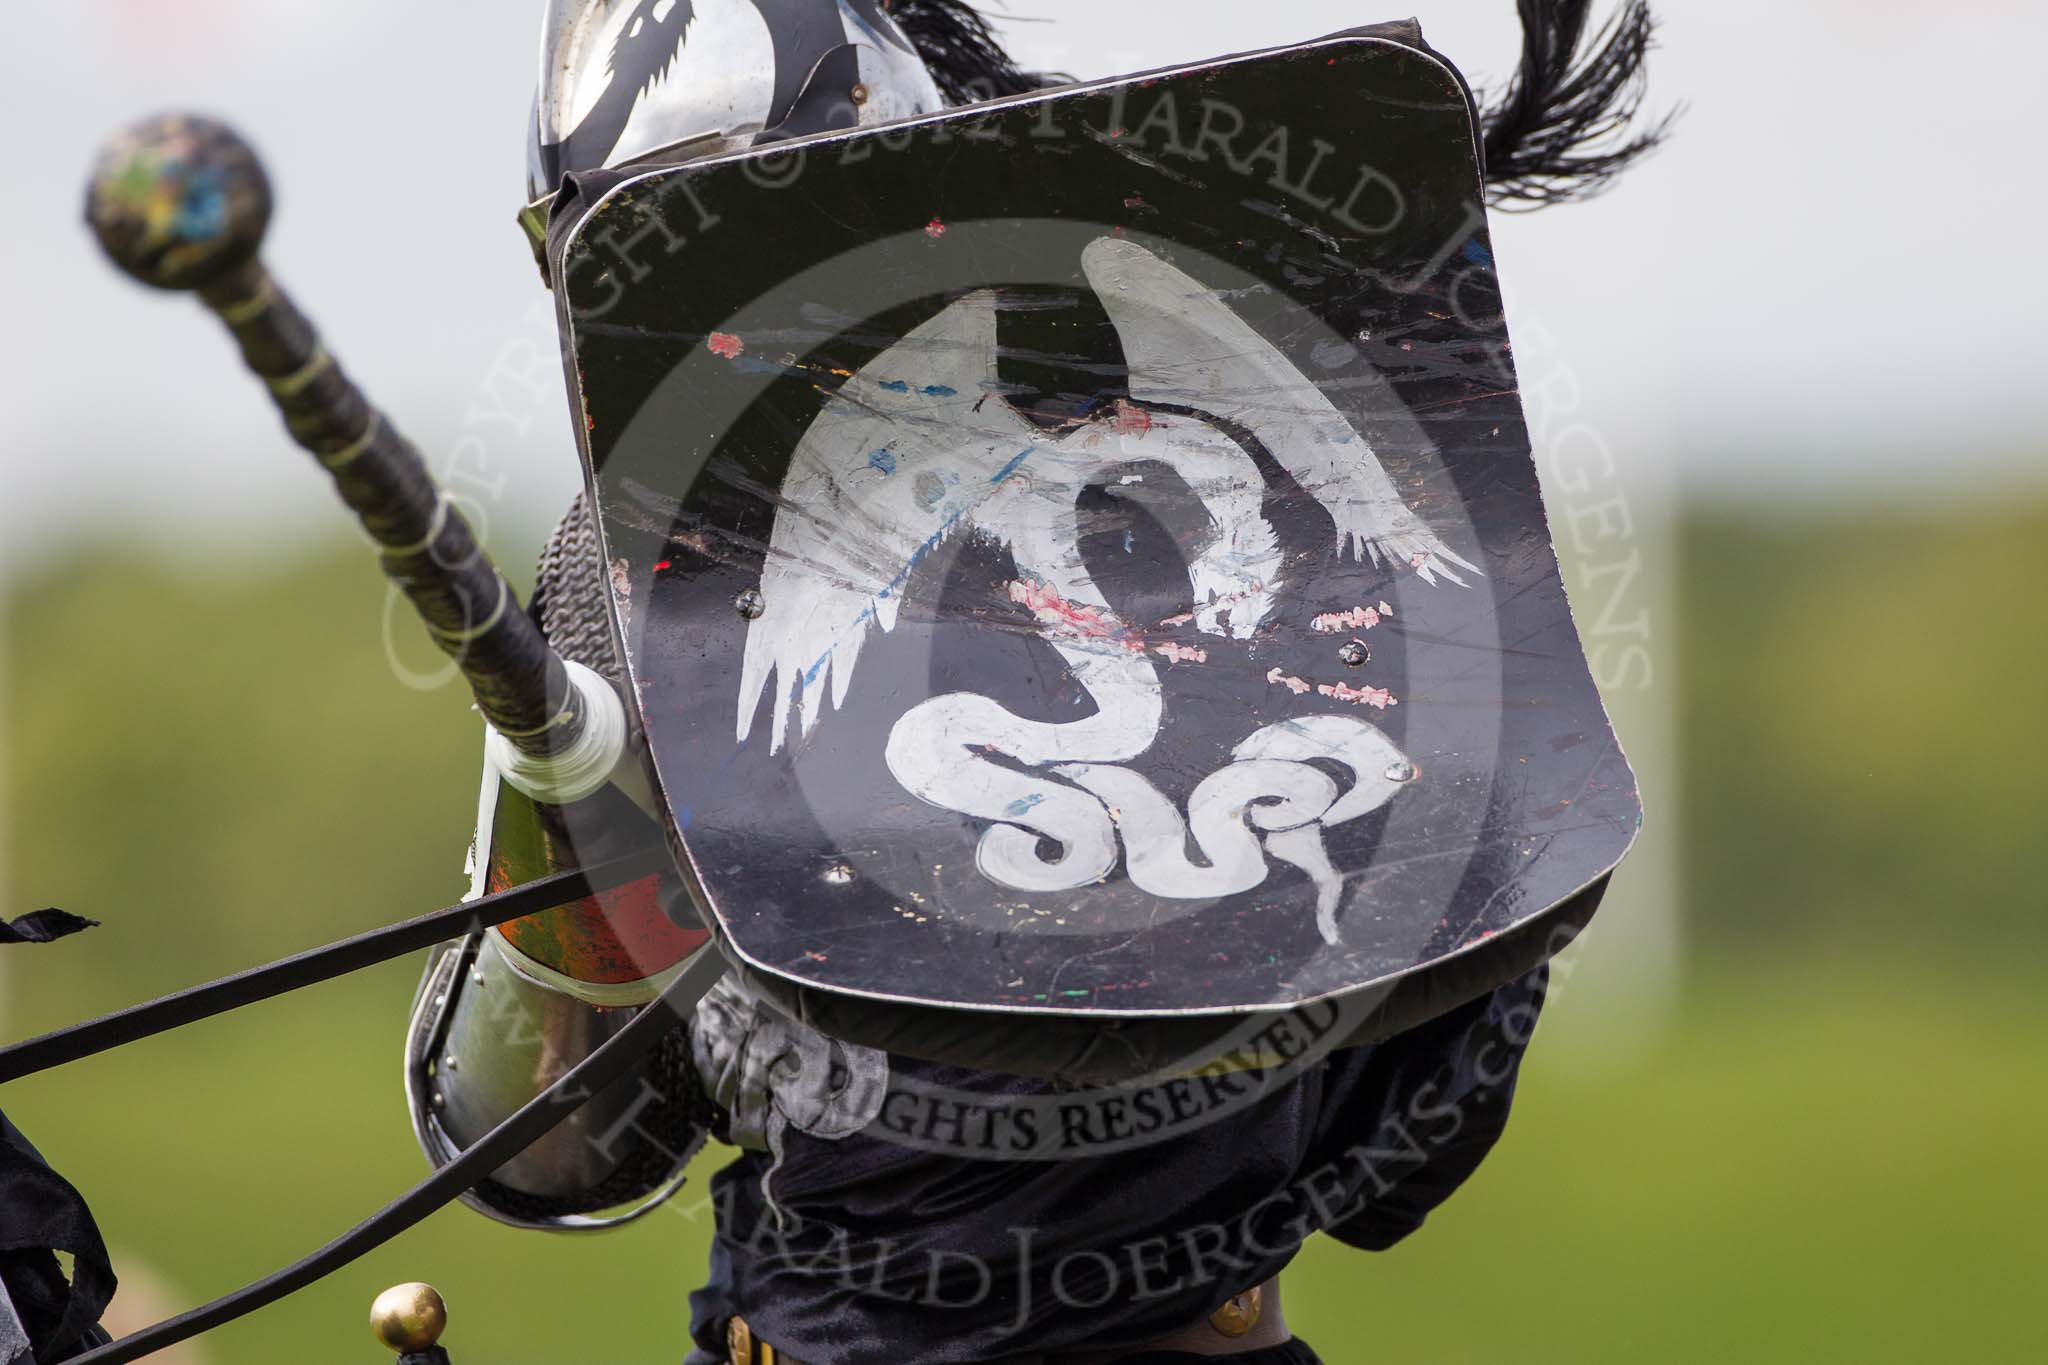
409, 1318
179, 201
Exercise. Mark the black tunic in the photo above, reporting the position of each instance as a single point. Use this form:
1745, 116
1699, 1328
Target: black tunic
871, 1246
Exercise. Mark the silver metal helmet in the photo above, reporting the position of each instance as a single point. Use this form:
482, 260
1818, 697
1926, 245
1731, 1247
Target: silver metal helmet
621, 80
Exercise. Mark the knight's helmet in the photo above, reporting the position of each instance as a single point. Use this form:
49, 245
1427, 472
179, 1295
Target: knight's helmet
626, 81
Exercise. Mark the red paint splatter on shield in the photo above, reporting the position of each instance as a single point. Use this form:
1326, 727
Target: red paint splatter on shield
935, 229
1183, 654
1377, 697
1298, 686
1335, 622
725, 345
1072, 618
1130, 419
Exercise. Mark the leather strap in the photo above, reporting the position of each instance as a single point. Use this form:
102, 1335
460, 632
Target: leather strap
1251, 1321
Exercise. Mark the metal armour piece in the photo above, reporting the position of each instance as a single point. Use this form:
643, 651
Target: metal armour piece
620, 79
485, 1039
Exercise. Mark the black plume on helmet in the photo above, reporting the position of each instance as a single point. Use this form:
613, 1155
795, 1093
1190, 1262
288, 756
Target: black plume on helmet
960, 47
1567, 122
1560, 130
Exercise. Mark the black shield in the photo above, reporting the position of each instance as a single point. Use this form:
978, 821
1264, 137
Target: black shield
1081, 555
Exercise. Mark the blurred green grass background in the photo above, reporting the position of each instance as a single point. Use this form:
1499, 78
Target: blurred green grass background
1831, 1154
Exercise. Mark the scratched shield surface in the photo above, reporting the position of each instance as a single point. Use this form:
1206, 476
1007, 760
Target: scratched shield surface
1083, 555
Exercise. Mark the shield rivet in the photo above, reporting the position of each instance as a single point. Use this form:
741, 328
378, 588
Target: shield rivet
751, 604
839, 874
1400, 770
860, 93
1355, 654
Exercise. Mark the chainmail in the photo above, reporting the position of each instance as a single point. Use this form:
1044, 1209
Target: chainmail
571, 600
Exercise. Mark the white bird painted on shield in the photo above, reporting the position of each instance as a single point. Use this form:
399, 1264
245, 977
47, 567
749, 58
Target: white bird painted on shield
919, 448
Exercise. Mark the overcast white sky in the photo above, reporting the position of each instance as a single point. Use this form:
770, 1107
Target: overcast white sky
1831, 278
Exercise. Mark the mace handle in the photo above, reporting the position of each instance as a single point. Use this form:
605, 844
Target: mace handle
182, 203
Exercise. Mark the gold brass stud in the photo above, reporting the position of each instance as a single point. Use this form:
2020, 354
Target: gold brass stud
1238, 1317
409, 1318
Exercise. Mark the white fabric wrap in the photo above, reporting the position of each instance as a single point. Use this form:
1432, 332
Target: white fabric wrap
585, 767
771, 1073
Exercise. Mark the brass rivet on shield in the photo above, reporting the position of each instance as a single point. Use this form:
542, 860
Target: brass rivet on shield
1401, 770
751, 604
860, 92
1240, 1315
